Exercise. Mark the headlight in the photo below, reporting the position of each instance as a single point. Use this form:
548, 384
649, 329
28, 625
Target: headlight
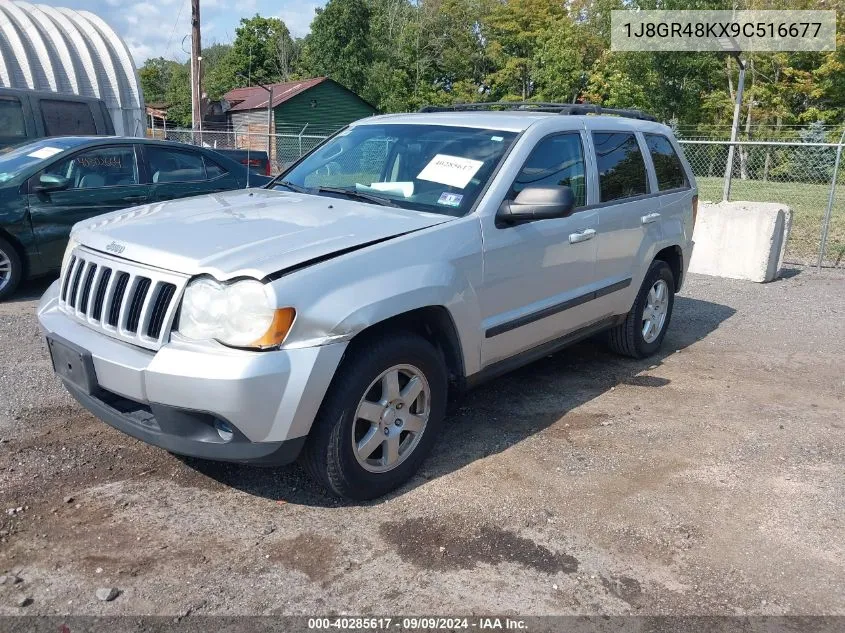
240, 314
71, 244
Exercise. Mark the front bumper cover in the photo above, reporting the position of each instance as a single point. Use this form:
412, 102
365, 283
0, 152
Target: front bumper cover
172, 397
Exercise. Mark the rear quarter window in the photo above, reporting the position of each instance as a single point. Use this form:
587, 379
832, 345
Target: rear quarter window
667, 165
11, 118
67, 118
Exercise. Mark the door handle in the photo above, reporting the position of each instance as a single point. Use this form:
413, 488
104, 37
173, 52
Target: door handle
583, 236
651, 217
133, 198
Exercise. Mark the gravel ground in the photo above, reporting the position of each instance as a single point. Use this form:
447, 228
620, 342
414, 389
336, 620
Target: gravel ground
707, 480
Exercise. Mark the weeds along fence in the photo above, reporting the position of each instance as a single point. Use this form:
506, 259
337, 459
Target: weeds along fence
804, 176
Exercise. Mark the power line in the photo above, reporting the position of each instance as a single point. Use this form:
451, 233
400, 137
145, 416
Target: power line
173, 30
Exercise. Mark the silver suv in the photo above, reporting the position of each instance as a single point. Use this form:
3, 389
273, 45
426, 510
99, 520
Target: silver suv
331, 315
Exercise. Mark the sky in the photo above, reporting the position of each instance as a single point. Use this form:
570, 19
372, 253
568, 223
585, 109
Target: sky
156, 28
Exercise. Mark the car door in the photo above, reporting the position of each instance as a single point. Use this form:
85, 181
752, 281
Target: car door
99, 180
181, 172
627, 214
674, 187
538, 275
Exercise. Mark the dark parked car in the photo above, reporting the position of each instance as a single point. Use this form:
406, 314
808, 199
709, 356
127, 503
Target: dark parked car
26, 115
257, 161
49, 185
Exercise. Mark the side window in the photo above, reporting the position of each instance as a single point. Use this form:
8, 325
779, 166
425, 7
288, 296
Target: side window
621, 166
167, 165
102, 167
556, 161
212, 169
11, 118
667, 165
63, 118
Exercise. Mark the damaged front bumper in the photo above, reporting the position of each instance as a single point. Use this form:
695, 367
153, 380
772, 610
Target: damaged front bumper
201, 400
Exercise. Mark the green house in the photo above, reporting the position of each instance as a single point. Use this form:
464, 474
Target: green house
303, 112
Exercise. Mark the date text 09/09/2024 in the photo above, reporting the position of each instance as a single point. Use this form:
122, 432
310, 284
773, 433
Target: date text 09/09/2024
416, 623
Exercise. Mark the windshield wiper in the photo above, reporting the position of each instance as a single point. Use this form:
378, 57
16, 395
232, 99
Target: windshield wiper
358, 195
291, 186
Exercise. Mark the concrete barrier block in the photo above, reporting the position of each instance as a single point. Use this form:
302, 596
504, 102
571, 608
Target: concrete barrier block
741, 240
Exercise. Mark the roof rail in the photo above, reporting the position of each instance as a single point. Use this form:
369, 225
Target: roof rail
539, 106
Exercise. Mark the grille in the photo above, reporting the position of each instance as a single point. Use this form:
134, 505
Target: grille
123, 299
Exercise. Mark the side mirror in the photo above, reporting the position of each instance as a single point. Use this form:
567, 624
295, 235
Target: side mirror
52, 182
537, 203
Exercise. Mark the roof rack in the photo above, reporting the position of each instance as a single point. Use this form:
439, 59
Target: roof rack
539, 106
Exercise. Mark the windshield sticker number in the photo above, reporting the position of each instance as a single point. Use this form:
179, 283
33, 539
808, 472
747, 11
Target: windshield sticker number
454, 171
44, 152
450, 199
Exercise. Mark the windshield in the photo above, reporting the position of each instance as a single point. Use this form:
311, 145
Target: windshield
18, 159
436, 168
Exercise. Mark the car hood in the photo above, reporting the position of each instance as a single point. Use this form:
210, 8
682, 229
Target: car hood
253, 232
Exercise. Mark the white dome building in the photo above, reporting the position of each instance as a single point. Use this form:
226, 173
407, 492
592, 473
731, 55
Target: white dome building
62, 50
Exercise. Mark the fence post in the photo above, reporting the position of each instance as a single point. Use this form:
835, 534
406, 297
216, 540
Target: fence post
301, 132
829, 211
740, 87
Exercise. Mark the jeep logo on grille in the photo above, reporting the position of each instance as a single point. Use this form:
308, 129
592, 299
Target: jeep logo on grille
115, 248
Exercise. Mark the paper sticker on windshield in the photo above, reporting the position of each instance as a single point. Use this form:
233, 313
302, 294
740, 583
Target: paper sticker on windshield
44, 152
450, 199
450, 170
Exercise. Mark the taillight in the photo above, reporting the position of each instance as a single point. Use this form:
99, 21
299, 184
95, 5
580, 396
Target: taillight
694, 210
267, 169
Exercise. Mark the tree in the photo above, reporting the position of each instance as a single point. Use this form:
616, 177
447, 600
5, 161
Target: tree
263, 51
178, 96
516, 30
156, 75
339, 45
564, 56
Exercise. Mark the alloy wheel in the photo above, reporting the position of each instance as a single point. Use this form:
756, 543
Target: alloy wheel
655, 311
391, 418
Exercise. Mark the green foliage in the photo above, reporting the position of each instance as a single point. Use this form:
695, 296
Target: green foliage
156, 76
339, 43
263, 51
402, 54
812, 164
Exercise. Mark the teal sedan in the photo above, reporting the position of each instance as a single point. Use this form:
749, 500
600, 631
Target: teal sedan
51, 184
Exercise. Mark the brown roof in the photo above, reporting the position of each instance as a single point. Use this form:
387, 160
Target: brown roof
255, 97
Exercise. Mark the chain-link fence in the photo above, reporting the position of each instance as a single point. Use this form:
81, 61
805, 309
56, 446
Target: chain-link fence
799, 175
284, 148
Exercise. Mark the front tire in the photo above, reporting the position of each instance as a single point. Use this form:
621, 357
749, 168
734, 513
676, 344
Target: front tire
380, 417
644, 328
11, 269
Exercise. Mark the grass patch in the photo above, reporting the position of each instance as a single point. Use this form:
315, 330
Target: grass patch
808, 203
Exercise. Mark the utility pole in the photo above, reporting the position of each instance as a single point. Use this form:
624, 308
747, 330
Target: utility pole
196, 75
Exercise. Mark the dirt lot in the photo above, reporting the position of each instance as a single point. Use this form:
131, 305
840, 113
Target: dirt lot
709, 480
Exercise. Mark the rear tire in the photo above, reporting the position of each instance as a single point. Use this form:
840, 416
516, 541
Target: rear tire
372, 432
655, 300
11, 269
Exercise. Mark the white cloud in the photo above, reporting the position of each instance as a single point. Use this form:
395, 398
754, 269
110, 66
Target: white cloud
298, 18
150, 27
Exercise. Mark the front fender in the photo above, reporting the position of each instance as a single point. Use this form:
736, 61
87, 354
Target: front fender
337, 299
